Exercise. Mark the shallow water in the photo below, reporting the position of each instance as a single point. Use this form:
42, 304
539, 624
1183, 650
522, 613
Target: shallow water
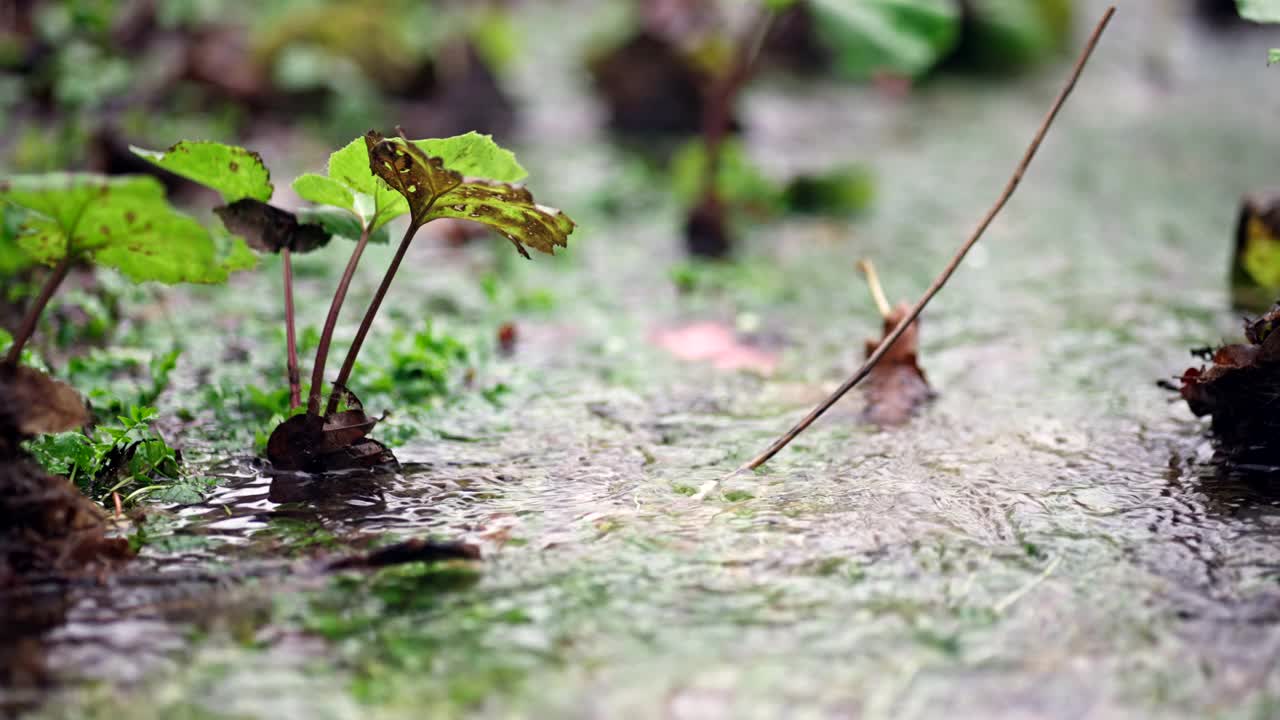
1048, 539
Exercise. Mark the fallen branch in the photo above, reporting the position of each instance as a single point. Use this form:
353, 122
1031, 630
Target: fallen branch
942, 279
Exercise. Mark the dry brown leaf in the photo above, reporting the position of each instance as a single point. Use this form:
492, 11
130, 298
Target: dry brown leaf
37, 404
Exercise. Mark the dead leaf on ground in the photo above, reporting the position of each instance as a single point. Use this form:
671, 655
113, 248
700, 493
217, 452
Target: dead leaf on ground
34, 403
716, 344
340, 441
48, 529
1239, 390
896, 386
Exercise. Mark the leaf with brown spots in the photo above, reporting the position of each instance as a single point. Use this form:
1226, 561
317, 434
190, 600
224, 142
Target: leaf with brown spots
236, 173
124, 222
434, 191
405, 168
511, 211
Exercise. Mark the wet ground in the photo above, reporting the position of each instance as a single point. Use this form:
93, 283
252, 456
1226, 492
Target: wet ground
1048, 539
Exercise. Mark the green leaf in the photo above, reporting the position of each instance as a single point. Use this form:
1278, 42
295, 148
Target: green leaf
418, 178
1273, 56
511, 211
904, 37
740, 181
838, 192
1261, 257
233, 171
60, 453
341, 224
324, 190
433, 190
1000, 34
351, 186
1260, 11
123, 222
13, 259
476, 156
234, 254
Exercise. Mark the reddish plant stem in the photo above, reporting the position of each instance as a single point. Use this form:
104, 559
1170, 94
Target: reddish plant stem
291, 335
330, 322
32, 317
717, 112
951, 267
350, 362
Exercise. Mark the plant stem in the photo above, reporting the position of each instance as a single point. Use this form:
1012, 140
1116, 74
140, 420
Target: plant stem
326, 335
291, 335
32, 317
350, 362
942, 278
873, 284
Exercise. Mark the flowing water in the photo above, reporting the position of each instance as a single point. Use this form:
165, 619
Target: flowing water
1048, 539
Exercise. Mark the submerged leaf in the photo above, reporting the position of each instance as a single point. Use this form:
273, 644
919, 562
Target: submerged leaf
269, 229
123, 222
236, 173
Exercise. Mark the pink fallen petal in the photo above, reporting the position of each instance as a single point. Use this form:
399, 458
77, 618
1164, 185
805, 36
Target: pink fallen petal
715, 344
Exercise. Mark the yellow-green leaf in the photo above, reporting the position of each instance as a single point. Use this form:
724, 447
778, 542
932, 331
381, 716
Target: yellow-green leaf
123, 222
511, 211
236, 173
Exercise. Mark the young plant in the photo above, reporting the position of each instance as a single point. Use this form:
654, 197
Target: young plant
244, 183
349, 187
427, 180
706, 230
126, 459
122, 222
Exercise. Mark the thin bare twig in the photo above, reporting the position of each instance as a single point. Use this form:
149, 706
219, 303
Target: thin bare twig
942, 278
